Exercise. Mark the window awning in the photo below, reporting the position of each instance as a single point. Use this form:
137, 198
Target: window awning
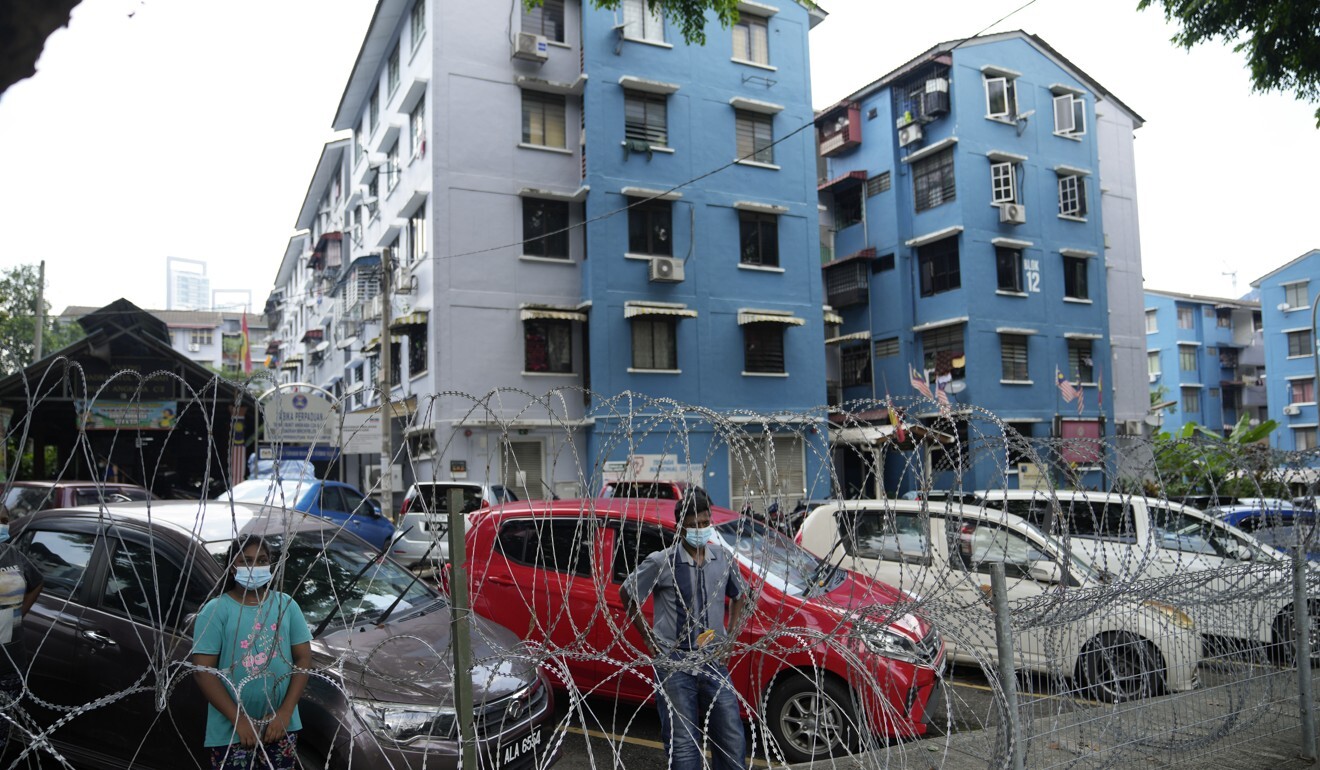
882, 434
296, 358
415, 318
634, 309
854, 337
832, 317
749, 316
313, 335
291, 364
550, 314
843, 182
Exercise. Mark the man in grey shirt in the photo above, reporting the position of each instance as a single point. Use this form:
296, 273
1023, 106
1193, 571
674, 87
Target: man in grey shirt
689, 641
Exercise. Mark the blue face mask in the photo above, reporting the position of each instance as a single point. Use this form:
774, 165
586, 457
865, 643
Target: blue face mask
252, 577
4, 533
698, 536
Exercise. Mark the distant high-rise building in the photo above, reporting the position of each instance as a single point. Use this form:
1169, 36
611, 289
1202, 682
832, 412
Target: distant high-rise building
186, 285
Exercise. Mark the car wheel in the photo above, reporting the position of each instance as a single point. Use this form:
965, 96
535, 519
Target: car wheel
1120, 667
1285, 650
309, 758
811, 719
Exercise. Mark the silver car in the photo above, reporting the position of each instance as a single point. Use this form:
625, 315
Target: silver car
423, 525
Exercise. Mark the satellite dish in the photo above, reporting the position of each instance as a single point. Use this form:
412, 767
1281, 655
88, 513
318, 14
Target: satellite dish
957, 386
1153, 420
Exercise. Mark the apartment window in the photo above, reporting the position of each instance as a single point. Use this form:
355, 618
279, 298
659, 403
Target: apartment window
751, 39
763, 348
1186, 318
1295, 295
886, 348
1299, 343
1187, 358
543, 119
1003, 183
545, 229
942, 352
417, 122
650, 228
1072, 196
1301, 391
759, 236
392, 70
932, 180
645, 118
396, 359
643, 21
1304, 438
877, 184
391, 169
199, 337
360, 140
1074, 278
847, 284
855, 360
1152, 322
1008, 268
418, 25
938, 264
548, 346
416, 237
417, 357
546, 20
1013, 357
1153, 362
1081, 367
1069, 115
373, 111
654, 343
1001, 97
756, 136
1257, 322
1191, 400
1224, 318
848, 207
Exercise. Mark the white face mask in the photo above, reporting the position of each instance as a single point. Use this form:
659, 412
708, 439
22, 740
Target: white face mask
4, 533
698, 536
252, 577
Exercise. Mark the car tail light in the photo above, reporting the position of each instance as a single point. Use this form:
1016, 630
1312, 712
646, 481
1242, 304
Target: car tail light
407, 503
798, 537
442, 578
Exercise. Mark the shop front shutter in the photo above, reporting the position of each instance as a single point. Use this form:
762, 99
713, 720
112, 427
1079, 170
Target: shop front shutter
523, 465
761, 471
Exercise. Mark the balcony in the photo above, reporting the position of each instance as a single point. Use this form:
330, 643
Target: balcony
839, 129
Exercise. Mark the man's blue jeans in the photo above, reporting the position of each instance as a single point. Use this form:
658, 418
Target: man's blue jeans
699, 711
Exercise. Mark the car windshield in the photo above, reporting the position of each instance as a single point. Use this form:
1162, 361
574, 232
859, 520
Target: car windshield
318, 569
268, 492
770, 555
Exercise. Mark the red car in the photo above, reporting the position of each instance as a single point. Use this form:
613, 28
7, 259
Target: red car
817, 643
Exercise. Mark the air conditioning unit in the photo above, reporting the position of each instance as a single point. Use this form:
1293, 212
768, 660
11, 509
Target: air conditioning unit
1013, 213
194, 347
529, 47
909, 134
1154, 376
665, 270
1292, 410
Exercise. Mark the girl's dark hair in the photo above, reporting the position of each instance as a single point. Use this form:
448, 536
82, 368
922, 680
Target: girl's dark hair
237, 547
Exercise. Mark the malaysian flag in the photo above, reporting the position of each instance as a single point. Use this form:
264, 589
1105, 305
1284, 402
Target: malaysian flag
919, 382
1066, 388
1081, 399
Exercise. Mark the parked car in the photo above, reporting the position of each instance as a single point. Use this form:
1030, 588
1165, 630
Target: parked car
818, 643
1129, 650
1276, 524
424, 517
24, 497
648, 490
115, 619
338, 502
1146, 537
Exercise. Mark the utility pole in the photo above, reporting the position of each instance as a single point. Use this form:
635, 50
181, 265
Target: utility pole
386, 445
39, 311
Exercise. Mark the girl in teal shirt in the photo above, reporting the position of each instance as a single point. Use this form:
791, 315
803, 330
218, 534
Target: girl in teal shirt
254, 642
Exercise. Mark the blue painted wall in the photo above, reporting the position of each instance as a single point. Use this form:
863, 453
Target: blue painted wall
1282, 367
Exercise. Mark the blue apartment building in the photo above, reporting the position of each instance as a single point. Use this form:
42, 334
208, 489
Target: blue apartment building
1286, 298
963, 238
1205, 359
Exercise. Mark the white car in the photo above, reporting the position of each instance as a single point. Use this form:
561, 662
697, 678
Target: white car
1234, 586
424, 517
1128, 649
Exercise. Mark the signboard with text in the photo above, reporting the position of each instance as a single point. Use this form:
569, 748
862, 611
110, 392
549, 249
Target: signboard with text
103, 414
361, 434
298, 418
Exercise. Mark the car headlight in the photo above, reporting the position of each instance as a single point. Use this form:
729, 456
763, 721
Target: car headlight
887, 643
401, 722
1178, 617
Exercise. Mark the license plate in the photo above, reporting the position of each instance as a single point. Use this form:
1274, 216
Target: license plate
520, 749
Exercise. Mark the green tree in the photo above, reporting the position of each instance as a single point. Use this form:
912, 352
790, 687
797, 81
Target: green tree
1281, 38
1199, 461
18, 320
689, 15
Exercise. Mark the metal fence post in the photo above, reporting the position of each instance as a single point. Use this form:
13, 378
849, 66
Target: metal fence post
1302, 639
1007, 672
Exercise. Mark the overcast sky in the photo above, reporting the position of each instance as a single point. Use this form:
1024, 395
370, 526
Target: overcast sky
191, 129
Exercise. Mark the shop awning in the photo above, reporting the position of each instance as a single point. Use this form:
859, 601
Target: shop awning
748, 316
832, 317
854, 337
415, 318
843, 182
634, 309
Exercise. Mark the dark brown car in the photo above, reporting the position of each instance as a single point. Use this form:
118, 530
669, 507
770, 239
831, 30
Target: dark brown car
24, 497
114, 622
